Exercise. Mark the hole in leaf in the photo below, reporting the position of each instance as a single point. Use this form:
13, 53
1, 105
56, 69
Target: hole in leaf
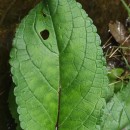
44, 14
45, 34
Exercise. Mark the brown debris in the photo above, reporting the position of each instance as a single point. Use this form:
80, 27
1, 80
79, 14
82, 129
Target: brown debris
120, 34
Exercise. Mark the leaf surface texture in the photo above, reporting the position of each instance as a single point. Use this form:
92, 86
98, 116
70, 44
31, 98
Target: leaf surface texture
117, 112
61, 80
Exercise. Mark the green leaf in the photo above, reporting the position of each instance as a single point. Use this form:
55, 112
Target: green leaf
13, 108
127, 127
117, 111
58, 68
115, 73
118, 86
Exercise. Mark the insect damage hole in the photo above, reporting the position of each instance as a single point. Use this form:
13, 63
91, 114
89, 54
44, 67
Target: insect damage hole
44, 14
45, 34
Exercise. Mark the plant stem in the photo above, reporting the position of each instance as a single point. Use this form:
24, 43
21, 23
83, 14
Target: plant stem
126, 7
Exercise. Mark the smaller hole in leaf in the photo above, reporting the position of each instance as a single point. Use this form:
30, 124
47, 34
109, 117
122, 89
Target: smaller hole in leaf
44, 14
45, 34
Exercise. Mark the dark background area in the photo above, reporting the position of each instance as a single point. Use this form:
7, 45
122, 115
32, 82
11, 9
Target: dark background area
11, 13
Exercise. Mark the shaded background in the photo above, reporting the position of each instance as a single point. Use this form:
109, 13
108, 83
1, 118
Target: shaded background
11, 13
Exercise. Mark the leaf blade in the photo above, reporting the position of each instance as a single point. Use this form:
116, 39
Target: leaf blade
28, 66
72, 62
116, 114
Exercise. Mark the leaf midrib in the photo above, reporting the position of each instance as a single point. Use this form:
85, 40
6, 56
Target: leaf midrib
59, 86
